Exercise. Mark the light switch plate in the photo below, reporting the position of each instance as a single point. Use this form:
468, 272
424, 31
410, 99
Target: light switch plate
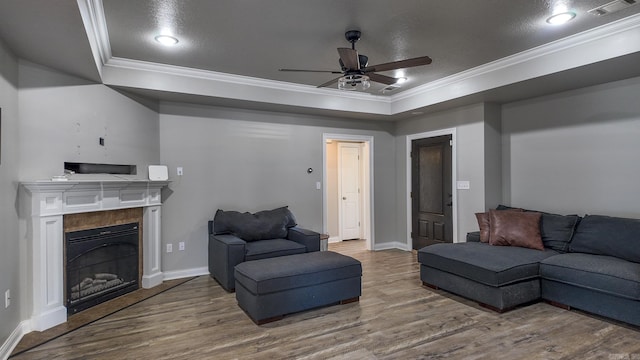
463, 185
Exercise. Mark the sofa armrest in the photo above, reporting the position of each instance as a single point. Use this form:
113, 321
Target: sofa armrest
308, 238
225, 252
473, 236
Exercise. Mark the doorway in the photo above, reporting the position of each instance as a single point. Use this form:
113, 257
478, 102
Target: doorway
431, 201
348, 188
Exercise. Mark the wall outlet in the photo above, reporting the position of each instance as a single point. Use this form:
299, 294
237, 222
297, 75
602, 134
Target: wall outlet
7, 298
179, 171
169, 248
181, 246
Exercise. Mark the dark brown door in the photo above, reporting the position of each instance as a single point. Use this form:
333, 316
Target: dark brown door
431, 194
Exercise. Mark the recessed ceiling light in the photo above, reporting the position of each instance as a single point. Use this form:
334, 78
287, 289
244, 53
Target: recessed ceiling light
166, 40
561, 18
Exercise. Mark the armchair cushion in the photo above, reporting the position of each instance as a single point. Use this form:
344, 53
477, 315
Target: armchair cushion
262, 249
268, 224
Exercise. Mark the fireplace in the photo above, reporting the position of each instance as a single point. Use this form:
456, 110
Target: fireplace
101, 264
51, 209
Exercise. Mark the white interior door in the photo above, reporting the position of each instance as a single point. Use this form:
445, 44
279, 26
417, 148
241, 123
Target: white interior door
349, 190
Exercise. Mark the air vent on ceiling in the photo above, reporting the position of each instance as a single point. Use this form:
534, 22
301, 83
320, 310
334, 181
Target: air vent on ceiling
612, 7
389, 88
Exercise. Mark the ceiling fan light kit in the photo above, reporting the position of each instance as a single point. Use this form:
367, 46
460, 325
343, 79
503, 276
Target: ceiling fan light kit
355, 69
354, 82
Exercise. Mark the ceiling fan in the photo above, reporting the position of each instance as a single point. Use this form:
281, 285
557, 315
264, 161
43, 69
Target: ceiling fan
356, 71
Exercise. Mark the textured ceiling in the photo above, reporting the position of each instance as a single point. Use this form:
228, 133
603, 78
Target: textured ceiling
254, 38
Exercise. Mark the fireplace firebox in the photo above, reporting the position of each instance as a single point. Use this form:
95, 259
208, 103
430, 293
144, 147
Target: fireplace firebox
101, 264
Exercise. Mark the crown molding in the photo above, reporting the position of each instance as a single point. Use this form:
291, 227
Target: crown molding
584, 38
92, 13
225, 78
584, 48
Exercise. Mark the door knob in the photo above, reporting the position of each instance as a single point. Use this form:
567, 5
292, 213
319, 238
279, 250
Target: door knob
344, 198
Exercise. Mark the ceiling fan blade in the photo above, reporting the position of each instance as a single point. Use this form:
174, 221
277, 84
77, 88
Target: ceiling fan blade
349, 58
400, 64
330, 82
388, 80
319, 71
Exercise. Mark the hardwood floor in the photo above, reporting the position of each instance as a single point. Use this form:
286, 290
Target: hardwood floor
396, 318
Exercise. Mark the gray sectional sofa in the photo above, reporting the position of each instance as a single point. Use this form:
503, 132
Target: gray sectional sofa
590, 263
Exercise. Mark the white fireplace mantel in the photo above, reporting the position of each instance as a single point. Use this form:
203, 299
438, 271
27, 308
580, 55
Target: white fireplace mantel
43, 205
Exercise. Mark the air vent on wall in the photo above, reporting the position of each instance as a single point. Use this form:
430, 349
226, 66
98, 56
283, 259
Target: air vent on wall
612, 7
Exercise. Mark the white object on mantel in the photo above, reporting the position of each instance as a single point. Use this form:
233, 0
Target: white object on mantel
43, 205
158, 173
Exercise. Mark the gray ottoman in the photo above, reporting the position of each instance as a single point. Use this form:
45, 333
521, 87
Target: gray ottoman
267, 289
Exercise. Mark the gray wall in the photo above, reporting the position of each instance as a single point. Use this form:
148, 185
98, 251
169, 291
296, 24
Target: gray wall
469, 123
10, 268
250, 160
492, 155
62, 118
575, 152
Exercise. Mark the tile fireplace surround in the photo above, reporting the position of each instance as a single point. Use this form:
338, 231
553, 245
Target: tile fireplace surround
43, 205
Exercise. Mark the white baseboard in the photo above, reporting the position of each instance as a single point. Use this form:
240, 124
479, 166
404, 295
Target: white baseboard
391, 245
334, 239
14, 338
179, 274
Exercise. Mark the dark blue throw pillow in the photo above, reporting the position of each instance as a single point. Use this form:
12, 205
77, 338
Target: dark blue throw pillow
268, 224
606, 235
556, 230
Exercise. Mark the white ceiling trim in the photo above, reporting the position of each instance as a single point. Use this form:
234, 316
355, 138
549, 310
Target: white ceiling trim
605, 42
226, 78
92, 13
175, 79
615, 39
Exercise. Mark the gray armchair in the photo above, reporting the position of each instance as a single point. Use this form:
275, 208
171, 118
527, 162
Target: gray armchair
237, 237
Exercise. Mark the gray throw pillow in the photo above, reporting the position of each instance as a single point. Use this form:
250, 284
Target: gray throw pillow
263, 225
606, 235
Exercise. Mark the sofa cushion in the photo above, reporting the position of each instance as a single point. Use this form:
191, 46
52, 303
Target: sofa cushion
513, 228
281, 212
292, 272
268, 224
595, 272
606, 235
484, 223
481, 262
556, 230
262, 249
